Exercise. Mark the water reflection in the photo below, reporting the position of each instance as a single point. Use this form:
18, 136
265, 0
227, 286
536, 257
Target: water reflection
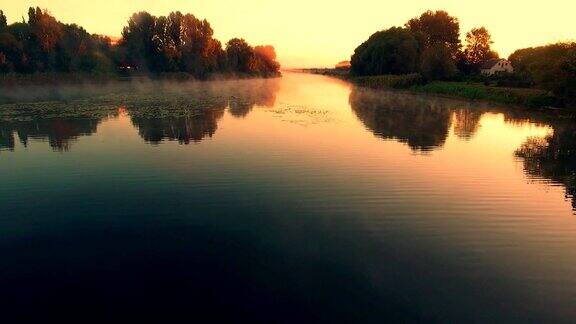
61, 133
192, 115
418, 121
553, 157
59, 123
423, 123
343, 219
466, 122
186, 112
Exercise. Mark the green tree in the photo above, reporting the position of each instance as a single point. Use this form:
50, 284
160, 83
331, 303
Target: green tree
138, 39
437, 63
240, 56
392, 51
551, 67
438, 27
3, 21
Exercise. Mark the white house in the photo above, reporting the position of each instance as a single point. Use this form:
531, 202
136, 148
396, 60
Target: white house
496, 66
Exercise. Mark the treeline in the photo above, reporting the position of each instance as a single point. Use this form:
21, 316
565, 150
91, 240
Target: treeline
174, 43
551, 67
430, 46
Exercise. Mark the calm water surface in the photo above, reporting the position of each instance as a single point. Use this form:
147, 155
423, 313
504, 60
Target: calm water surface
291, 200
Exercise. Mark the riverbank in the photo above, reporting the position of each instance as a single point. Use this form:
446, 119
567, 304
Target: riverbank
528, 97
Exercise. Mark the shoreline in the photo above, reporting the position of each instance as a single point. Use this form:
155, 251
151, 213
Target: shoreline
526, 98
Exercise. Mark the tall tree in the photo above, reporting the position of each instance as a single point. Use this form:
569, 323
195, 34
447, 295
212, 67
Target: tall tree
392, 51
138, 38
438, 27
45, 28
3, 21
240, 56
437, 63
478, 50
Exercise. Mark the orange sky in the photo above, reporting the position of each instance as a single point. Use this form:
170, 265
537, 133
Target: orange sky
317, 33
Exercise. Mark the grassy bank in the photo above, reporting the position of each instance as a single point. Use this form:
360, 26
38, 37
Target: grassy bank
511, 96
473, 91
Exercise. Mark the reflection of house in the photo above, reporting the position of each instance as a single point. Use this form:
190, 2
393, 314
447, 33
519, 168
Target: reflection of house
496, 66
344, 65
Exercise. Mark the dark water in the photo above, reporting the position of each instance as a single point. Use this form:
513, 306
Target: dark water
300, 199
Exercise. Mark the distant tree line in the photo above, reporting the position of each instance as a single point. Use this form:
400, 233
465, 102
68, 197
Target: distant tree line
174, 43
430, 45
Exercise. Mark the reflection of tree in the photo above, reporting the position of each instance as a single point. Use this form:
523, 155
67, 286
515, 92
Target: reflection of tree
244, 95
420, 122
239, 108
553, 157
60, 132
190, 114
184, 129
466, 122
6, 137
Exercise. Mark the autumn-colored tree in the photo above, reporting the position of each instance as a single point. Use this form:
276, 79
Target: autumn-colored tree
45, 28
478, 51
266, 60
199, 48
173, 43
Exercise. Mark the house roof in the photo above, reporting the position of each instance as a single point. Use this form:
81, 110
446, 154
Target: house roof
490, 63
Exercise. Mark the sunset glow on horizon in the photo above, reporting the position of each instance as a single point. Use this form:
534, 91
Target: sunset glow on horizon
322, 33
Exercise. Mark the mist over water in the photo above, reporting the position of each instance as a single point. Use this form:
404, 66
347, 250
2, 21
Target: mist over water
283, 200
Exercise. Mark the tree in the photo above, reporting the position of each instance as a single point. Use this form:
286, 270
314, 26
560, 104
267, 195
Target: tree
240, 56
437, 63
173, 43
266, 60
392, 51
12, 43
45, 28
438, 27
200, 48
551, 67
138, 39
11, 52
478, 50
3, 21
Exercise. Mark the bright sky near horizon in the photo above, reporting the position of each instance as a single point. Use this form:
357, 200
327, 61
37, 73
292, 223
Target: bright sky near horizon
320, 33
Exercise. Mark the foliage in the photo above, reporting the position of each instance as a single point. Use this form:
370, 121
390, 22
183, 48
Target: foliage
478, 50
176, 43
551, 67
438, 27
429, 45
3, 21
392, 51
437, 63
